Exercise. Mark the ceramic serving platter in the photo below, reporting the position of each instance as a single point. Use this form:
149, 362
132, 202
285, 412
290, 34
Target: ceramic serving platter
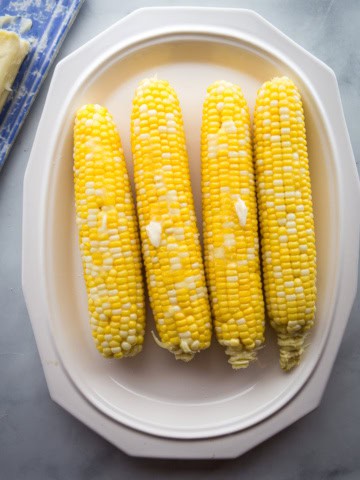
190, 410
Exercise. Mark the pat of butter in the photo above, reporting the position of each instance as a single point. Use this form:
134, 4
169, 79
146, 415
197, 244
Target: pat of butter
13, 50
241, 211
154, 233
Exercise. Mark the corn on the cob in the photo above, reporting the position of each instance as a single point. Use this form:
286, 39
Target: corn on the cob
170, 243
109, 242
230, 223
286, 216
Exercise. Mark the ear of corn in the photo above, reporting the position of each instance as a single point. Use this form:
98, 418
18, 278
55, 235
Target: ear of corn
230, 223
109, 242
170, 243
286, 216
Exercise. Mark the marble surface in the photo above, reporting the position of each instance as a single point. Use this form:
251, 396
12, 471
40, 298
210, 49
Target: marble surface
38, 439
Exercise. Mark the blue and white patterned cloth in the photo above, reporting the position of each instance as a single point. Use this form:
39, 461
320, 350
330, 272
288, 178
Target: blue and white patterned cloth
51, 20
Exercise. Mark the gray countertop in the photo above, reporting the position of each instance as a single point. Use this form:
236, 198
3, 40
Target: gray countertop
38, 439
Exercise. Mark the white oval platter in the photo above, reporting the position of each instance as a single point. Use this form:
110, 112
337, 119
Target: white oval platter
152, 397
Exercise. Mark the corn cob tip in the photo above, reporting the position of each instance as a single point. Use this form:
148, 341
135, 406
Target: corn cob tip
291, 350
148, 82
135, 349
283, 81
240, 358
182, 352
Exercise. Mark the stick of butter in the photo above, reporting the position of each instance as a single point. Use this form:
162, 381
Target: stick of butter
13, 50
